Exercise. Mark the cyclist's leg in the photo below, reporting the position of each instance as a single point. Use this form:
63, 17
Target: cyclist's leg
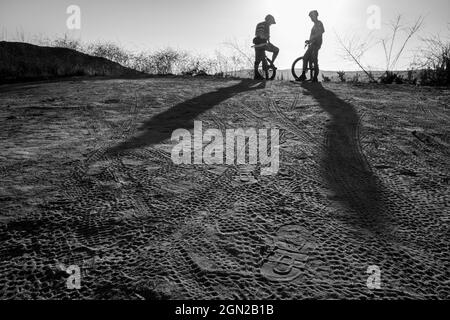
306, 64
260, 56
264, 63
315, 61
265, 67
306, 59
275, 51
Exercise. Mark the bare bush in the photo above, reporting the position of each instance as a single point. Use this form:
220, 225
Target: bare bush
195, 65
325, 78
165, 60
355, 78
141, 61
393, 46
390, 77
433, 62
67, 42
396, 28
354, 49
240, 58
110, 51
341, 76
223, 64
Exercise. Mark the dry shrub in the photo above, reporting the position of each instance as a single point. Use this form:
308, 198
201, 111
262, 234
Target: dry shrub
110, 51
433, 62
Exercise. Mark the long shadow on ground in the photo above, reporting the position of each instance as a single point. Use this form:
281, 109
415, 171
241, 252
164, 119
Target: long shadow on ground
345, 167
161, 126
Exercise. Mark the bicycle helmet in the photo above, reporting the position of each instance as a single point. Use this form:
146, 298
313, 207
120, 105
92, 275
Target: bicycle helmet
270, 19
314, 13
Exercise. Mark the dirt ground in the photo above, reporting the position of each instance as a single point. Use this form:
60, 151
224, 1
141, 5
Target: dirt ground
87, 180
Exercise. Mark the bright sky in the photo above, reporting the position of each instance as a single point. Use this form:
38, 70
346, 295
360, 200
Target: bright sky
202, 26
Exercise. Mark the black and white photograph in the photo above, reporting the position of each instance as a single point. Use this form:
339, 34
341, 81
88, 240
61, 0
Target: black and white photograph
232, 151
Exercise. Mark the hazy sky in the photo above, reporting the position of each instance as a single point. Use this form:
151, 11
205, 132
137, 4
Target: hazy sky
203, 25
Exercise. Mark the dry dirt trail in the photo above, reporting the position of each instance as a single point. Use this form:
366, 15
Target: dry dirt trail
87, 180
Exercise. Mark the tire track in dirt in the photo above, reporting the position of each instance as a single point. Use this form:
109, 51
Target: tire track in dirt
288, 261
270, 109
288, 124
126, 129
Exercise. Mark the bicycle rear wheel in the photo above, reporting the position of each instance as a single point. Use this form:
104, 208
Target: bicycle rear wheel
270, 73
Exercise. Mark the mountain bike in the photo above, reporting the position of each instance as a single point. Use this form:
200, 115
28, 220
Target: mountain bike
297, 67
271, 71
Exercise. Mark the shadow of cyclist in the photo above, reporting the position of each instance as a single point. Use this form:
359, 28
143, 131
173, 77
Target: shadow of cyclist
160, 127
344, 166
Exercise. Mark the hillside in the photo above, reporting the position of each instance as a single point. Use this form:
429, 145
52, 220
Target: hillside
23, 61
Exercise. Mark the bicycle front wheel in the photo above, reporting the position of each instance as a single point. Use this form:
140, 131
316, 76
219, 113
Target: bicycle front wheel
297, 68
268, 74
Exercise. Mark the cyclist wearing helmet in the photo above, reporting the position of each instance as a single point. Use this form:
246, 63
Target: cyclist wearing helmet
262, 44
315, 43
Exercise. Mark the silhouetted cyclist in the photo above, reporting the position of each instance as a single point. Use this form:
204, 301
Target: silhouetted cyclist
262, 44
315, 43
